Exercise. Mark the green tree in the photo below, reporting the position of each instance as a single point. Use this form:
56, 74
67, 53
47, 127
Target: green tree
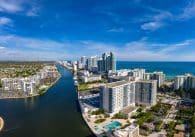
0, 84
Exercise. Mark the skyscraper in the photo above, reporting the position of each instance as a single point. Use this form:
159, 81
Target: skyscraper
107, 62
117, 95
159, 76
145, 92
186, 82
92, 63
83, 60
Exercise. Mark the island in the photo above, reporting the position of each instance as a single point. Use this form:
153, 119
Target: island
26, 79
1, 123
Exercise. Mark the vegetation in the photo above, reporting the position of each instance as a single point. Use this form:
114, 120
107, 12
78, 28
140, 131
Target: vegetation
120, 116
165, 88
83, 87
140, 109
182, 93
41, 91
171, 129
94, 82
151, 120
185, 112
100, 120
20, 69
161, 109
143, 117
159, 125
193, 126
192, 93
98, 112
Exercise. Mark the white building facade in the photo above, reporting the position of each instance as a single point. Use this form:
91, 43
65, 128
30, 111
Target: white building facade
117, 95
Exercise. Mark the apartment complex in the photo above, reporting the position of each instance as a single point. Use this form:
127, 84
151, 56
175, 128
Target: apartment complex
137, 74
186, 82
107, 62
159, 76
116, 96
146, 92
85, 76
29, 85
92, 63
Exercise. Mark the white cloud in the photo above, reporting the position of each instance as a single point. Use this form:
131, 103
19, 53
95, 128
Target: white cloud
5, 21
28, 8
188, 11
151, 25
10, 6
34, 10
116, 30
156, 21
1, 47
23, 48
153, 22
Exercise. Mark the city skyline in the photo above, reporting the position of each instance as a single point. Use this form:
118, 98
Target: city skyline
133, 31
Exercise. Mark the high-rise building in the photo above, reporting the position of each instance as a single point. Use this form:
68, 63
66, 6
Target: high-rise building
137, 73
117, 95
145, 92
107, 62
92, 63
186, 82
159, 76
100, 65
83, 60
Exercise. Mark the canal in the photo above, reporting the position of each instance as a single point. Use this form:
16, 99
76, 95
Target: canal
53, 114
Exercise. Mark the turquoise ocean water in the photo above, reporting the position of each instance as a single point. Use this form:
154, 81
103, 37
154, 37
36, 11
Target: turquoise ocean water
171, 69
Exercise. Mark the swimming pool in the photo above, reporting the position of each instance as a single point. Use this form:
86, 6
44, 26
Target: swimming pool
112, 125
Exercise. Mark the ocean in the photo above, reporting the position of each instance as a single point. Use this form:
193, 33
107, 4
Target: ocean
171, 69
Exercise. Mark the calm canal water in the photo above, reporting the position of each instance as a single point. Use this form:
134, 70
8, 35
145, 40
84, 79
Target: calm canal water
54, 114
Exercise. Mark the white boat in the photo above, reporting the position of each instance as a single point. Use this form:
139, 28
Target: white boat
76, 83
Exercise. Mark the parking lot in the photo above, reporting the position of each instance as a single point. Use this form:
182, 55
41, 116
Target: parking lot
91, 100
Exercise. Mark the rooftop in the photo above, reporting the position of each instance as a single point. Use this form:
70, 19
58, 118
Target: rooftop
118, 83
128, 109
147, 81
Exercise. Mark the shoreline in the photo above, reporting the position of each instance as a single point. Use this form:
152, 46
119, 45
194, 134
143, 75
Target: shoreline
1, 123
85, 120
34, 95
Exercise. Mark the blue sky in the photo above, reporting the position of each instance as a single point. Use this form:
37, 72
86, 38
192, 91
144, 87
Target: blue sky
135, 30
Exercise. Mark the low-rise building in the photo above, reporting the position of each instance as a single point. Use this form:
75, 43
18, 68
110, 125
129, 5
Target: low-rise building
12, 84
138, 74
180, 134
28, 85
130, 131
119, 78
91, 78
83, 73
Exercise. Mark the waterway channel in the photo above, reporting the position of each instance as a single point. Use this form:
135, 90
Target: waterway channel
53, 114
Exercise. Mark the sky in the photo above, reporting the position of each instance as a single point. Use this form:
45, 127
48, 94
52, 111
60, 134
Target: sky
135, 30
